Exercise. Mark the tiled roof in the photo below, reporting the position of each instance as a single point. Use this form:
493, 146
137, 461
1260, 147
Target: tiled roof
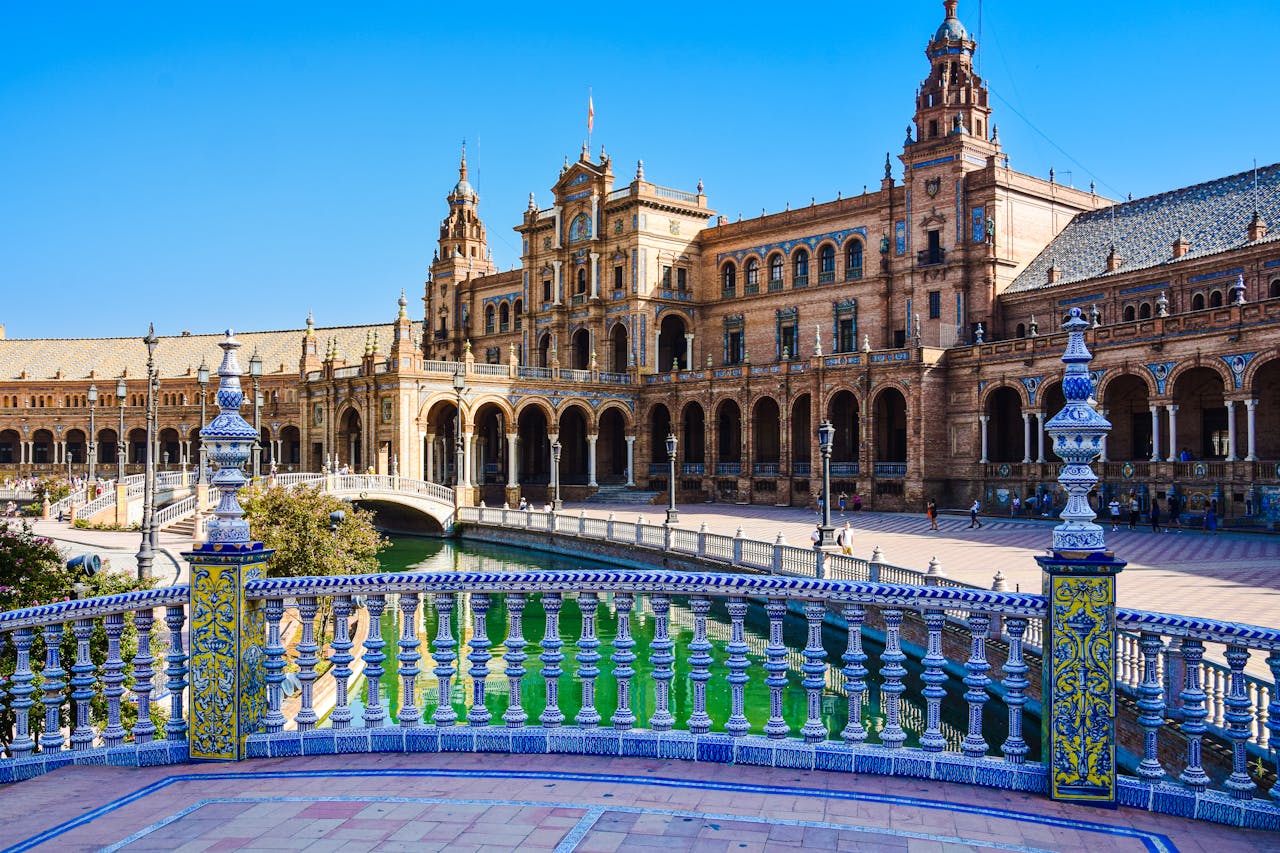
180, 355
1212, 217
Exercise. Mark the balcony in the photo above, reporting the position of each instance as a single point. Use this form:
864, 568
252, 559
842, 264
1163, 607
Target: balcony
931, 257
765, 469
800, 281
844, 469
751, 288
853, 273
826, 277
800, 469
775, 284
728, 469
891, 470
693, 469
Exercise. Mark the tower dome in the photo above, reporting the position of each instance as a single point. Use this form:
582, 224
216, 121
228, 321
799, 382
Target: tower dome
951, 29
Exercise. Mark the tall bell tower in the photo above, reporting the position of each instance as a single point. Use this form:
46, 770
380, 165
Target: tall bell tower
952, 101
461, 255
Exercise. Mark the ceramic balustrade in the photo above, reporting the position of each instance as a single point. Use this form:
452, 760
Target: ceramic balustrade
54, 660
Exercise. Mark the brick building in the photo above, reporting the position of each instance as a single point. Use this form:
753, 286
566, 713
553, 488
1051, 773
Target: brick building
920, 318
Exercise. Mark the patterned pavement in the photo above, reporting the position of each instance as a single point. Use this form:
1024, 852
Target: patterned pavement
464, 803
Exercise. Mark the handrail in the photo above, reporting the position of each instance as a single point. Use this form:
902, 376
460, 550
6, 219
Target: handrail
91, 608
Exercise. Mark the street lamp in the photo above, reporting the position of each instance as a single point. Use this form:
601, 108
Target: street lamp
202, 380
556, 504
826, 535
122, 449
673, 516
146, 551
459, 385
255, 372
93, 436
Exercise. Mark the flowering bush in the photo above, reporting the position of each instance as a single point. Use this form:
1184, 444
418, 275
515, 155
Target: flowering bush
32, 570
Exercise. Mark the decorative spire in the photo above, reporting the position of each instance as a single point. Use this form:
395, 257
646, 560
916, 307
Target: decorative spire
1238, 290
368, 342
533, 205
700, 186
403, 303
888, 167
229, 438
311, 325
462, 165
373, 348
1077, 433
639, 170
586, 152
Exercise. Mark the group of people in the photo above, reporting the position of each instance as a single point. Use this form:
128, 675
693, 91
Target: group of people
1174, 507
843, 503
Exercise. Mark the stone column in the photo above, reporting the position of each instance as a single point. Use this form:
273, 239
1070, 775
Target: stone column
631, 456
1155, 433
467, 440
983, 419
1252, 407
557, 287
556, 244
1173, 433
595, 275
1026, 437
513, 460
1231, 430
431, 458
1040, 419
1103, 446
688, 351
591, 460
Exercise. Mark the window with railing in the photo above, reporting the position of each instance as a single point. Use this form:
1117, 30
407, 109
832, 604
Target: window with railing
752, 284
518, 312
775, 272
853, 260
504, 317
729, 280
826, 264
488, 320
800, 269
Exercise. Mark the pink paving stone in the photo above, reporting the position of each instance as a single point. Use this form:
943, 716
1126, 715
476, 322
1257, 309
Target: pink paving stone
343, 810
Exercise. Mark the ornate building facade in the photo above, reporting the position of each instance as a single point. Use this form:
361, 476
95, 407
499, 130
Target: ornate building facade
920, 318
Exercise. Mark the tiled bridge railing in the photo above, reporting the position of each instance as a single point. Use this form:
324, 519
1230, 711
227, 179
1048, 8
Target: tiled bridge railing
252, 716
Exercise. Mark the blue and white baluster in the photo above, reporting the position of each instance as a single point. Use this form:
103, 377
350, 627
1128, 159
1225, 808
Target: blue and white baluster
700, 665
623, 717
551, 658
21, 689
775, 663
737, 725
815, 671
82, 682
340, 717
445, 654
143, 729
977, 680
1151, 707
1239, 728
175, 671
478, 714
932, 740
662, 657
588, 656
273, 662
1273, 716
515, 657
410, 713
855, 673
892, 671
113, 680
51, 686
1015, 689
375, 712
308, 651
1193, 714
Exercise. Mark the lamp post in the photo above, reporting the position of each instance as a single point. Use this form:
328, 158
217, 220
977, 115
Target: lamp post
459, 385
673, 515
556, 504
146, 552
255, 372
826, 535
202, 380
122, 449
93, 436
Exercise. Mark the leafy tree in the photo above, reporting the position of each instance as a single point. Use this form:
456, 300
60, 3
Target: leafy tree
295, 523
32, 570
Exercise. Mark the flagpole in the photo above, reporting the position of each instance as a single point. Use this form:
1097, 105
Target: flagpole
591, 115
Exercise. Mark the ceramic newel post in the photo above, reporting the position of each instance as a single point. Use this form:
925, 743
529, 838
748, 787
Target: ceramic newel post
228, 680
1080, 585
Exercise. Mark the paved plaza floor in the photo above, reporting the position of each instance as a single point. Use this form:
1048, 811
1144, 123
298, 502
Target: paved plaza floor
461, 803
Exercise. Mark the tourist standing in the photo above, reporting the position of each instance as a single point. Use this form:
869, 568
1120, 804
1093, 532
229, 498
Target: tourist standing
973, 515
1155, 515
843, 499
857, 503
1015, 507
1175, 512
931, 510
845, 540
1211, 517
1114, 506
1135, 510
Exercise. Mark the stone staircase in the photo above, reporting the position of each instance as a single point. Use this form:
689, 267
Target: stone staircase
621, 495
183, 527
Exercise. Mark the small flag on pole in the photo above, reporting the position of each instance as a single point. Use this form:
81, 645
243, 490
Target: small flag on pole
591, 114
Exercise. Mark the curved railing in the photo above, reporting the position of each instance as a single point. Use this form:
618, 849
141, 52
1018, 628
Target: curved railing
167, 515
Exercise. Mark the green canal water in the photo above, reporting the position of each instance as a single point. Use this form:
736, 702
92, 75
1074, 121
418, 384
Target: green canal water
417, 554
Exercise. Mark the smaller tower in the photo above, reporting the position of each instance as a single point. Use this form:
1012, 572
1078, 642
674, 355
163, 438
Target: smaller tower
461, 255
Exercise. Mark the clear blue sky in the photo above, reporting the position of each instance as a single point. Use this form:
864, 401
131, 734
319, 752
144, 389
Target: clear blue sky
236, 164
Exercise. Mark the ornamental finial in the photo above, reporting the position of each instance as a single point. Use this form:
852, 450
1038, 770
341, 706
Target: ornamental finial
1077, 433
229, 438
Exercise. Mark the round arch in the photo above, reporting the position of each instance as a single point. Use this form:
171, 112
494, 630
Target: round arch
889, 414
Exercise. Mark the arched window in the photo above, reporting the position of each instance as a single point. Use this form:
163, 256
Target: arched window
752, 284
488, 320
1144, 311
826, 264
582, 280
1274, 290
775, 271
518, 310
729, 280
1215, 299
1129, 314
504, 317
1021, 331
853, 260
1197, 302
800, 268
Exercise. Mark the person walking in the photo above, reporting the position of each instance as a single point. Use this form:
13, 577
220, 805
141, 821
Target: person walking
1114, 506
1135, 510
973, 515
845, 540
1155, 515
843, 499
931, 510
1211, 517
1015, 506
1175, 513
